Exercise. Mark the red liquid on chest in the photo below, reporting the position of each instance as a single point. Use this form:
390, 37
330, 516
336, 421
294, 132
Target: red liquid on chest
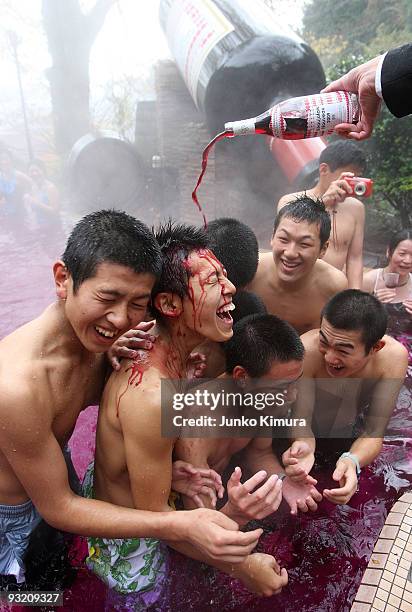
205, 156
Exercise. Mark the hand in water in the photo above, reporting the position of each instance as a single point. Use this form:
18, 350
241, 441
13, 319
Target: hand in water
301, 496
245, 502
345, 474
385, 295
261, 574
361, 81
216, 535
338, 191
193, 482
132, 341
298, 461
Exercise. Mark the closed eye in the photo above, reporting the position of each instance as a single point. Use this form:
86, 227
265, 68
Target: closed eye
138, 306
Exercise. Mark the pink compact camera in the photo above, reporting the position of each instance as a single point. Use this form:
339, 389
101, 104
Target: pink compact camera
362, 187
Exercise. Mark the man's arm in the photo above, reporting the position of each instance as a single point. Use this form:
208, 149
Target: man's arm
354, 259
31, 449
299, 458
149, 465
368, 446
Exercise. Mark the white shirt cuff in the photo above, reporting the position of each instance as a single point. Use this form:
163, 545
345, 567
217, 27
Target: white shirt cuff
378, 84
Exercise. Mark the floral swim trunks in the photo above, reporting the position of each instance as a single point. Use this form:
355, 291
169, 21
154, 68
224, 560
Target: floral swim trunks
129, 566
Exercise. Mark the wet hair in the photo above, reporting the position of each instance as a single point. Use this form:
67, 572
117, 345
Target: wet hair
309, 210
343, 153
235, 245
258, 341
110, 236
247, 303
405, 234
355, 310
177, 241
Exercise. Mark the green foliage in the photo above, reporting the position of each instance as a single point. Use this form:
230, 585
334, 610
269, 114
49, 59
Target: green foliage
365, 27
358, 30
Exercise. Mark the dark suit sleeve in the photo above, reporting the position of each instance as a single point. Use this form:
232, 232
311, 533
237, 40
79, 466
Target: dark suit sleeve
396, 80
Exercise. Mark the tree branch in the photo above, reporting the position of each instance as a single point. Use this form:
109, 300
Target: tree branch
392, 202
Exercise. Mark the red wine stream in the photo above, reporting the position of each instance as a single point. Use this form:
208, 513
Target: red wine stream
205, 156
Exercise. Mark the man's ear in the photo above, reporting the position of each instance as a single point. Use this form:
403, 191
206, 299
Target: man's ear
61, 279
169, 304
240, 375
378, 346
323, 250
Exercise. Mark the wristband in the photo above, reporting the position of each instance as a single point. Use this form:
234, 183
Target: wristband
353, 458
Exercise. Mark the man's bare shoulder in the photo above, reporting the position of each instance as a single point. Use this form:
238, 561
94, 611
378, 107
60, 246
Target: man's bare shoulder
392, 359
19, 371
310, 341
329, 280
265, 261
138, 393
288, 198
354, 205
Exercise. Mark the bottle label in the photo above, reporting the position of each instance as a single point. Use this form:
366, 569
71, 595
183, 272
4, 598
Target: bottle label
193, 28
242, 127
310, 116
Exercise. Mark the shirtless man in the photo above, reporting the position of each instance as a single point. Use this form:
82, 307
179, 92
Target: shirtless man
359, 372
235, 245
293, 281
52, 368
339, 160
264, 354
133, 461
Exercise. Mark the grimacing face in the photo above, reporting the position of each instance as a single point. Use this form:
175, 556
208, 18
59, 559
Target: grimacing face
106, 305
207, 305
295, 248
343, 351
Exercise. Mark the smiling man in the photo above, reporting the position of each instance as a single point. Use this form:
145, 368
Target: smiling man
133, 464
293, 281
52, 368
353, 373
265, 355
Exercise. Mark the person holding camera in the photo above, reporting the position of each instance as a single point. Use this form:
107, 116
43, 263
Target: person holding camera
338, 163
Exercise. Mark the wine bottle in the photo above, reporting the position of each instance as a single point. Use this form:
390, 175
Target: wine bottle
303, 117
236, 56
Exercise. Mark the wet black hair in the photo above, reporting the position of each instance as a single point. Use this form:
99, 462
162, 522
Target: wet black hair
258, 341
405, 234
247, 303
235, 245
110, 236
343, 153
355, 310
310, 210
177, 241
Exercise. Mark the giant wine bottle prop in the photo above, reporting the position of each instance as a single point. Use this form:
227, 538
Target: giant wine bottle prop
237, 59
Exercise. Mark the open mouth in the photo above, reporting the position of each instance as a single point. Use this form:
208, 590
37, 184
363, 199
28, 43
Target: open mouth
105, 334
224, 313
289, 266
335, 369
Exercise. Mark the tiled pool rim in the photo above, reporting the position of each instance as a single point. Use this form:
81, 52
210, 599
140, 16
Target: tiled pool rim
387, 582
